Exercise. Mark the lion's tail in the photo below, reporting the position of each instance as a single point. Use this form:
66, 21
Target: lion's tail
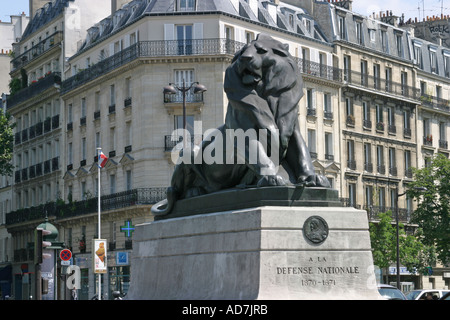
164, 207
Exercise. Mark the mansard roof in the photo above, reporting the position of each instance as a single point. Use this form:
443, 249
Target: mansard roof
136, 9
44, 15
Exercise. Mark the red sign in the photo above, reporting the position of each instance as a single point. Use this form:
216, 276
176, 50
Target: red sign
65, 255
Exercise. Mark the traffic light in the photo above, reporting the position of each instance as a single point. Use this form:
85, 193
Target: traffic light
40, 244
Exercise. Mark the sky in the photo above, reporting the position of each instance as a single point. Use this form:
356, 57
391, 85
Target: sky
364, 7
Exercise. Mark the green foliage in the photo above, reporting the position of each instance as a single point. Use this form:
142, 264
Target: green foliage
14, 86
6, 144
433, 211
414, 255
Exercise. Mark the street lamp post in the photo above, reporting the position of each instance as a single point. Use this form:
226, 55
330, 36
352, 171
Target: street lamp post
397, 233
173, 89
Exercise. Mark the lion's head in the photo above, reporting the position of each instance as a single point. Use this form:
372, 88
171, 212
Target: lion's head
266, 64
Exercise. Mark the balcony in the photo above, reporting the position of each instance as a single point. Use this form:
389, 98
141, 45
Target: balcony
178, 98
171, 144
36, 51
443, 144
434, 102
381, 168
428, 140
34, 89
393, 171
127, 102
351, 164
368, 167
319, 70
381, 85
373, 212
150, 49
310, 112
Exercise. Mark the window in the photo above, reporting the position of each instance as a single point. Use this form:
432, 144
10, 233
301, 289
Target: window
382, 198
69, 113
249, 37
329, 146
351, 154
399, 41
189, 123
366, 115
368, 157
186, 5
184, 78
112, 95
433, 61
97, 101
404, 83
406, 123
359, 33
312, 143
442, 133
112, 139
384, 41
364, 73
347, 68
342, 28
392, 162
391, 119
309, 99
368, 194
83, 149
184, 39
112, 184
379, 116
380, 160
327, 109
407, 163
83, 107
447, 65
376, 76
372, 35
69, 153
97, 140
418, 56
129, 180
352, 194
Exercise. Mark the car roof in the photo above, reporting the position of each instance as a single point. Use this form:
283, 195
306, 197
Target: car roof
382, 285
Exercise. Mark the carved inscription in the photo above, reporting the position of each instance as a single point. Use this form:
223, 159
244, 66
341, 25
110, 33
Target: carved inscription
320, 275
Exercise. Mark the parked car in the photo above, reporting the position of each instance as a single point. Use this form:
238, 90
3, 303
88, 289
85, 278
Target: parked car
446, 296
431, 294
390, 292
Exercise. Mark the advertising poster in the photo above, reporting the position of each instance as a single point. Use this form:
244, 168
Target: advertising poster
100, 265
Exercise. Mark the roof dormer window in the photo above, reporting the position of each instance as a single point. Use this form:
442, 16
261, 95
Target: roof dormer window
186, 5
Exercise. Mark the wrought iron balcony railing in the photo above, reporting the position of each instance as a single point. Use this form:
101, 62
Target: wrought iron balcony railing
167, 48
381, 85
34, 88
140, 196
148, 49
45, 45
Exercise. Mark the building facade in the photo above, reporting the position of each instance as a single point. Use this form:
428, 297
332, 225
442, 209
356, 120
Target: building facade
52, 35
366, 116
113, 97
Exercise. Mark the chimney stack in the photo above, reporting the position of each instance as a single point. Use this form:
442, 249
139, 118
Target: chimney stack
35, 5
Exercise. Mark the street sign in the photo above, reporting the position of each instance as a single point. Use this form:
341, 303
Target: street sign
65, 255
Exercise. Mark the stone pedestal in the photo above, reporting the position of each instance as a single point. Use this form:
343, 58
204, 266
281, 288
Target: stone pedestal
256, 253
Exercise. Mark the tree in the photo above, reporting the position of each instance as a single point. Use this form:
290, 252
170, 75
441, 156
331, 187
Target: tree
6, 144
414, 254
433, 211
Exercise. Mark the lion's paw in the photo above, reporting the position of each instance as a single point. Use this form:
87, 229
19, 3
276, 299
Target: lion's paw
315, 181
267, 181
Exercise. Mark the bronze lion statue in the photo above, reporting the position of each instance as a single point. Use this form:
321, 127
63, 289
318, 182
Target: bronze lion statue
264, 87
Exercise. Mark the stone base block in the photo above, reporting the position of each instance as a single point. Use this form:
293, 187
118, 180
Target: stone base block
264, 253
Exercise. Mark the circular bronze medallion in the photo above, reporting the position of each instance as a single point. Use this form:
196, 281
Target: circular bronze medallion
315, 229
